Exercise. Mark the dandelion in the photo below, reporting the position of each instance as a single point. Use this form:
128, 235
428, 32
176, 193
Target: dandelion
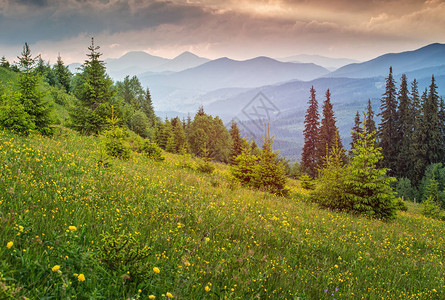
9, 245
81, 277
56, 268
207, 289
152, 297
72, 228
169, 295
156, 270
207, 239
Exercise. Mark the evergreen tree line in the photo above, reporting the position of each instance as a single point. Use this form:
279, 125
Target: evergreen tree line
410, 137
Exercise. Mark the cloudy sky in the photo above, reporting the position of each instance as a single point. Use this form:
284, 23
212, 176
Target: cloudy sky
240, 29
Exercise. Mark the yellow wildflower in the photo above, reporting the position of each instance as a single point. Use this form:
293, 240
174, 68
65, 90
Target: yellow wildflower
72, 228
207, 289
55, 268
9, 245
81, 277
169, 295
152, 297
156, 270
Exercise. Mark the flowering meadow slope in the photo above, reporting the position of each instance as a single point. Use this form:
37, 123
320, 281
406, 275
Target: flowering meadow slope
75, 224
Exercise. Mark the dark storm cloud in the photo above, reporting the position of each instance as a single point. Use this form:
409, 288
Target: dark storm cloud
35, 20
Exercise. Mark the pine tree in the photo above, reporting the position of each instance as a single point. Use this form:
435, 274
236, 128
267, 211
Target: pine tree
427, 140
62, 73
415, 101
165, 134
89, 115
328, 132
30, 97
4, 63
311, 140
237, 142
148, 109
355, 131
369, 120
244, 166
388, 138
442, 123
367, 188
177, 141
269, 174
405, 126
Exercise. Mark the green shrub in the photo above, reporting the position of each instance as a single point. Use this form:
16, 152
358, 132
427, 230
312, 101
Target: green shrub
115, 143
152, 150
124, 254
244, 165
400, 204
13, 115
430, 208
306, 182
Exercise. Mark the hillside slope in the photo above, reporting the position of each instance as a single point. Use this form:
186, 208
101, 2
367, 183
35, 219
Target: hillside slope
60, 209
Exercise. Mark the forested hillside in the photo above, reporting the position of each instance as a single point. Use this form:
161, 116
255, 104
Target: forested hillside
102, 199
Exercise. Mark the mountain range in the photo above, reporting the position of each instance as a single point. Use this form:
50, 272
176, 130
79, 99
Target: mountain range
228, 87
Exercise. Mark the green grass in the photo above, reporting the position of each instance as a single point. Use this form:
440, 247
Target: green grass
198, 229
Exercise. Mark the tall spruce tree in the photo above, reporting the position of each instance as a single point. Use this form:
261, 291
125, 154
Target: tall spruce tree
90, 113
427, 139
148, 109
369, 120
63, 75
356, 129
328, 131
435, 152
442, 123
237, 142
311, 140
387, 132
405, 126
31, 98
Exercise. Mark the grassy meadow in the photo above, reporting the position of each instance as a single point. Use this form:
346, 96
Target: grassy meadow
75, 224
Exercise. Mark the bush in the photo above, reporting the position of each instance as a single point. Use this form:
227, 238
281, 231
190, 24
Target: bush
115, 143
244, 165
430, 208
400, 204
13, 115
152, 150
122, 253
306, 182
359, 187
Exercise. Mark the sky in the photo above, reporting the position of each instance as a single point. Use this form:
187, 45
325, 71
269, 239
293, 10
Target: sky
239, 29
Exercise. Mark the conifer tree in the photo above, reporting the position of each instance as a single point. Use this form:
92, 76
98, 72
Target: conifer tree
165, 134
369, 120
30, 97
148, 109
356, 129
311, 140
177, 141
387, 133
90, 113
328, 130
415, 100
405, 126
244, 165
269, 174
4, 63
427, 140
237, 142
442, 123
62, 74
